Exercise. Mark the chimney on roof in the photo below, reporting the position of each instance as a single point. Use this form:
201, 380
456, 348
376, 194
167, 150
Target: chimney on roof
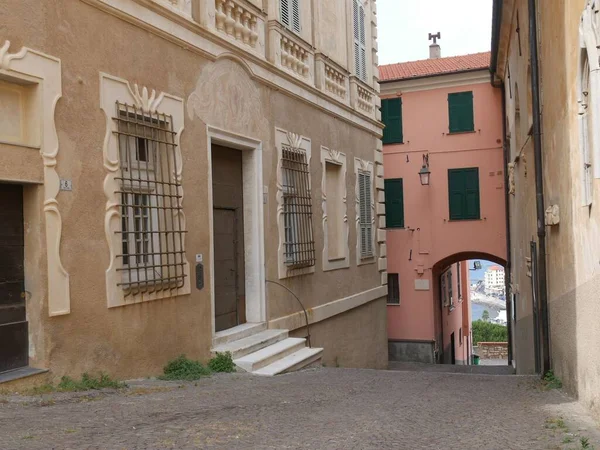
435, 51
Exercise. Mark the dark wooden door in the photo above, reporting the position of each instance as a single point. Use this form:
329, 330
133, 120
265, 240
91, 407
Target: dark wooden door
228, 233
226, 290
13, 321
452, 349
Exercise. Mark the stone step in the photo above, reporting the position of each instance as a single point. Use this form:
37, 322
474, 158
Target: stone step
270, 354
239, 332
290, 363
251, 344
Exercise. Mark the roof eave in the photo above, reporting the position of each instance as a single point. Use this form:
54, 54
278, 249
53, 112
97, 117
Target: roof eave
496, 25
440, 74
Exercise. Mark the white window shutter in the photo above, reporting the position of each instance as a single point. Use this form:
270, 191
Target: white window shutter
285, 12
366, 217
296, 15
360, 51
584, 142
363, 64
585, 119
290, 14
361, 20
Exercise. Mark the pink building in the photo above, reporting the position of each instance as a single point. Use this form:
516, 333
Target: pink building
444, 119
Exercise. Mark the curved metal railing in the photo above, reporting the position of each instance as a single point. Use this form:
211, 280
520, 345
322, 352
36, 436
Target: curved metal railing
303, 308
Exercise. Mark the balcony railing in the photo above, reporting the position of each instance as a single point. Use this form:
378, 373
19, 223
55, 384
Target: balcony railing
244, 24
290, 52
331, 78
237, 22
363, 98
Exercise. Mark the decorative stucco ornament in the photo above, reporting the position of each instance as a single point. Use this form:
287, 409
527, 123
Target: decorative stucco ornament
511, 178
552, 215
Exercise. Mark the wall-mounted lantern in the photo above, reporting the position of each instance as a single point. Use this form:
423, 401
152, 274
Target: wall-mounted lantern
424, 173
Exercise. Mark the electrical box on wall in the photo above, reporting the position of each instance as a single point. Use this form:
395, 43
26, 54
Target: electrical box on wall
199, 276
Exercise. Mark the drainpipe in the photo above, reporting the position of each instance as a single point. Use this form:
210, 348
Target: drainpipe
539, 186
507, 273
496, 23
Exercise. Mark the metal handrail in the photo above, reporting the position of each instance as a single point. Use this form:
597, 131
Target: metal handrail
303, 308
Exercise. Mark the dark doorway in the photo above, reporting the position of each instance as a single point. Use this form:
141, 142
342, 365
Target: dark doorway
13, 320
228, 232
452, 350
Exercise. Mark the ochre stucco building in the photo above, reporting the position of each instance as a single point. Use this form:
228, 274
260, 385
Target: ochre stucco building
164, 161
549, 74
442, 117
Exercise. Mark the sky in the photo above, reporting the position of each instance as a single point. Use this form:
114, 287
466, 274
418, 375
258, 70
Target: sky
403, 28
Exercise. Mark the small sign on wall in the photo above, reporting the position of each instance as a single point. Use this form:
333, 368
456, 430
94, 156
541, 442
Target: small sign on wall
421, 285
66, 185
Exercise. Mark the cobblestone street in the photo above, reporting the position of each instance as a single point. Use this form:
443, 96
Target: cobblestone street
319, 409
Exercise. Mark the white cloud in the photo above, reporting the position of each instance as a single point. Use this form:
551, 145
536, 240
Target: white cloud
403, 27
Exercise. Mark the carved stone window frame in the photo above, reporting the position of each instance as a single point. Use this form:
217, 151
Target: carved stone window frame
361, 165
588, 99
34, 68
284, 137
113, 89
334, 157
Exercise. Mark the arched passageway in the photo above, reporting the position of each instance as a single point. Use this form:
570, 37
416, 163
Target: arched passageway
452, 305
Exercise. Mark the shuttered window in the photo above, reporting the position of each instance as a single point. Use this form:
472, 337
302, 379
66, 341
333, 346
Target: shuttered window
394, 203
463, 193
460, 112
360, 51
393, 297
290, 14
450, 293
366, 214
391, 116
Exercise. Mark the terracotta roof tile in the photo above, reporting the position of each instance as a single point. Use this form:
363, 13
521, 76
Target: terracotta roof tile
429, 67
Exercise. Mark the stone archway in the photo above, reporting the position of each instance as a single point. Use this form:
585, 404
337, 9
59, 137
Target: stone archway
441, 315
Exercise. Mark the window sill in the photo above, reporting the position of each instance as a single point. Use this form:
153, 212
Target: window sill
452, 133
394, 228
465, 220
341, 258
393, 304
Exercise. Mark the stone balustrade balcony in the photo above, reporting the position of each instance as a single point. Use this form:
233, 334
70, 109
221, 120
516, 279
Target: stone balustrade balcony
291, 53
364, 98
246, 25
331, 78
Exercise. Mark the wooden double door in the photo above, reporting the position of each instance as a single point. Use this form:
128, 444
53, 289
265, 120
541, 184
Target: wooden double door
228, 233
13, 320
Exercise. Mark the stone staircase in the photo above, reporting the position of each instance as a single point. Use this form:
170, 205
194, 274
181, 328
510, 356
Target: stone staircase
265, 352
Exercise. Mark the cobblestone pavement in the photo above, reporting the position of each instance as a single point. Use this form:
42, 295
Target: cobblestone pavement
318, 409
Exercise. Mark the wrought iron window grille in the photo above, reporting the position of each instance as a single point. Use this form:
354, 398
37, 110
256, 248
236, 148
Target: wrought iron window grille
299, 243
152, 256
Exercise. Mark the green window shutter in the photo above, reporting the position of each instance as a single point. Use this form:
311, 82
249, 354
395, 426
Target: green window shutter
463, 194
456, 190
391, 116
394, 203
472, 194
460, 112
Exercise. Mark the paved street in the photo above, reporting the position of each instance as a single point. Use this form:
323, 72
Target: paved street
319, 409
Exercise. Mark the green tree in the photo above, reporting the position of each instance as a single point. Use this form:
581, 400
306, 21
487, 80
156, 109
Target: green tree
488, 332
485, 316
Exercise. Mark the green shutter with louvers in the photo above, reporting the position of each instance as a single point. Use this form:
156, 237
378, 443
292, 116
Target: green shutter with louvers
472, 193
460, 112
391, 116
463, 194
394, 203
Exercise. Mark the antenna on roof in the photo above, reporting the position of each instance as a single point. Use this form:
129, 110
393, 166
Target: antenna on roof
435, 37
435, 51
